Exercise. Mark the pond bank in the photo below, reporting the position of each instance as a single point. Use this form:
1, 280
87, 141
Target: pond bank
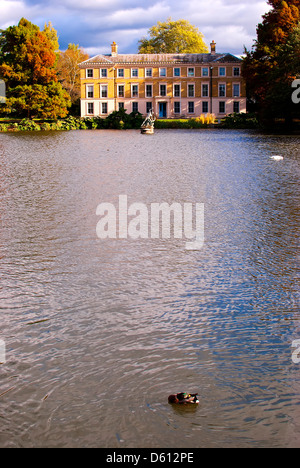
120, 121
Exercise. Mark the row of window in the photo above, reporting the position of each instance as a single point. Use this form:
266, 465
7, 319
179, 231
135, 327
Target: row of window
162, 72
163, 90
177, 107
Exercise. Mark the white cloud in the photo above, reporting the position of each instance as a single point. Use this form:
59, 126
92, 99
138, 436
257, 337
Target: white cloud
231, 23
11, 11
94, 24
98, 5
138, 16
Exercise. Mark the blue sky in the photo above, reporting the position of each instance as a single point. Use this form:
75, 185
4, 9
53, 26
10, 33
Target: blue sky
94, 24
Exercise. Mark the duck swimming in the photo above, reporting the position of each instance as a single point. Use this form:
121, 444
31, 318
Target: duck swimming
277, 158
184, 398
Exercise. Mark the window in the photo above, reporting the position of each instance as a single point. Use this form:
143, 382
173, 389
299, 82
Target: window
148, 90
176, 71
120, 72
103, 72
134, 90
205, 90
222, 71
162, 90
236, 107
236, 90
148, 72
222, 107
121, 105
148, 107
134, 73
90, 73
191, 107
222, 90
103, 91
162, 72
90, 108
135, 107
191, 90
236, 71
191, 71
103, 107
204, 107
176, 90
205, 71
121, 91
177, 107
90, 91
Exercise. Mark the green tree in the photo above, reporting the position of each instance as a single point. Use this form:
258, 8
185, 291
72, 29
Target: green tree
173, 37
274, 62
39, 101
27, 64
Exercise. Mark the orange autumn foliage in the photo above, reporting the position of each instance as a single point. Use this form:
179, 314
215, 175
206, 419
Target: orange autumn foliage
272, 65
27, 64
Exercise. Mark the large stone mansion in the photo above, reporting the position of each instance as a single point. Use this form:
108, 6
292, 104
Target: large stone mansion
172, 85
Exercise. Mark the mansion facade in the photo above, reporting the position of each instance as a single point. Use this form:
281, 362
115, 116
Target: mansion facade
172, 85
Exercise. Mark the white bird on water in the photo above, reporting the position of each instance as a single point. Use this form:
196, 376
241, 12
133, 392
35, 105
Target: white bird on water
277, 158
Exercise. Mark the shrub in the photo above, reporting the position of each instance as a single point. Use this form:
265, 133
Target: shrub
121, 120
116, 120
71, 123
135, 120
27, 125
83, 125
243, 121
45, 126
3, 127
198, 122
207, 119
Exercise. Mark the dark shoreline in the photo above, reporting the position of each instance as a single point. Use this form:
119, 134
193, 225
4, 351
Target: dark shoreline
233, 122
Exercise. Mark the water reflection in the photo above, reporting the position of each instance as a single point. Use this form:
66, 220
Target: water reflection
99, 333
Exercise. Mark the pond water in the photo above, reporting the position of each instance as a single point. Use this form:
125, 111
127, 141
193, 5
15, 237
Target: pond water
98, 332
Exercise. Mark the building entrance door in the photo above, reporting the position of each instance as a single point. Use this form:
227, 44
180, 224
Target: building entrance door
162, 110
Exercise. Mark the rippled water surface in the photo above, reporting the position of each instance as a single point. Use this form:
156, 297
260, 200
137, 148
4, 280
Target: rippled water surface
98, 332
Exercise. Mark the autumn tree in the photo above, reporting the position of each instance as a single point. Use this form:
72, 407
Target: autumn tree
68, 71
274, 61
278, 23
27, 64
173, 37
51, 33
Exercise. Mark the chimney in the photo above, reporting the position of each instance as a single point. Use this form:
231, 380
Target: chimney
114, 49
213, 48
